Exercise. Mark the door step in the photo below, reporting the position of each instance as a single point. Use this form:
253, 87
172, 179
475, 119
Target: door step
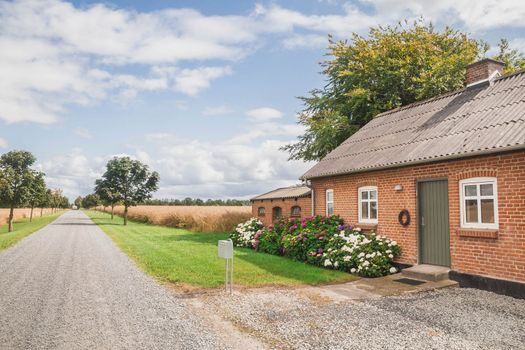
426, 272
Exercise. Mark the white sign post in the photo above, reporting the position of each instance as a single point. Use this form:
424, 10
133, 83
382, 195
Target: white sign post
226, 252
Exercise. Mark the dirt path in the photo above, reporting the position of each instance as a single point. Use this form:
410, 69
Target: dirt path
69, 287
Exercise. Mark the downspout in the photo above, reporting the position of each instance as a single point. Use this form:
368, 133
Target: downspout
313, 202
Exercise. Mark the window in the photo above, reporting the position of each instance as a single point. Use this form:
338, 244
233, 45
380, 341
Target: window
261, 211
296, 211
329, 202
277, 213
479, 203
367, 205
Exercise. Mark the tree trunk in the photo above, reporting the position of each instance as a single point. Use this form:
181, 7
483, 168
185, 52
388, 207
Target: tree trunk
41, 211
11, 216
112, 210
31, 215
125, 215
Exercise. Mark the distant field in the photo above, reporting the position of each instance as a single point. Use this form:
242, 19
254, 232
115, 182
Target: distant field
20, 213
194, 218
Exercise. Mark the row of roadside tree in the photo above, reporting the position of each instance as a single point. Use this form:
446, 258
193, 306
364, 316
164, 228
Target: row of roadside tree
23, 186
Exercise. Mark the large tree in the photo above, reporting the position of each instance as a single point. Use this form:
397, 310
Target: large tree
391, 67
131, 181
16, 178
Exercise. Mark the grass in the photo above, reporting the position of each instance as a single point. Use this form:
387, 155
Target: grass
23, 228
189, 258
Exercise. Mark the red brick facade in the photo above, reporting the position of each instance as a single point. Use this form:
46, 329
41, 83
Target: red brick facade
497, 253
482, 70
286, 205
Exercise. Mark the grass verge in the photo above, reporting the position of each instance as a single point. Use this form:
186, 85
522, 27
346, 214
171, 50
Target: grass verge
190, 258
23, 228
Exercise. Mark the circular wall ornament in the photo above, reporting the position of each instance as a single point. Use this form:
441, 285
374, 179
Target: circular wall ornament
404, 217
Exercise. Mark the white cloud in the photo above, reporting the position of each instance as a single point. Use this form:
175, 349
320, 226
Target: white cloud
305, 40
83, 133
264, 114
217, 110
193, 81
3, 143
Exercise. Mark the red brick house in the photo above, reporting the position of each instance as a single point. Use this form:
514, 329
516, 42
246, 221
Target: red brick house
293, 202
443, 177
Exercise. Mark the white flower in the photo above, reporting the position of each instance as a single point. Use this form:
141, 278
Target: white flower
388, 251
394, 243
352, 270
347, 258
391, 256
366, 263
327, 262
393, 270
361, 255
368, 256
336, 264
357, 229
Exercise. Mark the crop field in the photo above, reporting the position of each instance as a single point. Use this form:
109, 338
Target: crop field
194, 218
20, 213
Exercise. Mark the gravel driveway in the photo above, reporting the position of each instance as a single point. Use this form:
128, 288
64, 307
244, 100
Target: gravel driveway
448, 319
69, 287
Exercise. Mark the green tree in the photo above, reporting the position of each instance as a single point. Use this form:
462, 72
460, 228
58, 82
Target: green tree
37, 191
45, 201
16, 178
90, 201
78, 202
131, 180
108, 193
512, 58
391, 67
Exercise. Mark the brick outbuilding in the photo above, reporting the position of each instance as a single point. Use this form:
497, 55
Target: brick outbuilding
290, 202
444, 177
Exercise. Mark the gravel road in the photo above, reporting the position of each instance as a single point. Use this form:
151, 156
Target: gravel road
69, 287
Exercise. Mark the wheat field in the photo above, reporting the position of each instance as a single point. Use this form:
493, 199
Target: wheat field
194, 218
20, 213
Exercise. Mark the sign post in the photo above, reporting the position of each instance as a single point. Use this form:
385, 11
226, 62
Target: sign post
226, 252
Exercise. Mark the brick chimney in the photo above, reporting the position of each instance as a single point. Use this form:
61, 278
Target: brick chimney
484, 71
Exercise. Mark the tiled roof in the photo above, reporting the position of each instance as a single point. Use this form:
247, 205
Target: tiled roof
286, 192
475, 120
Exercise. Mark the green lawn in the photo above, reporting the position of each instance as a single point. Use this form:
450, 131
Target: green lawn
189, 258
24, 228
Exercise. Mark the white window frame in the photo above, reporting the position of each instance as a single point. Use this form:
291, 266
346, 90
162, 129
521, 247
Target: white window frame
478, 181
360, 200
331, 202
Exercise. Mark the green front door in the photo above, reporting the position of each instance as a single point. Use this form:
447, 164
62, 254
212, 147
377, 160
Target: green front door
434, 229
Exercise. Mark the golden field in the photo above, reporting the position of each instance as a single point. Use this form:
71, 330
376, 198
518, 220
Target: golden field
194, 218
20, 213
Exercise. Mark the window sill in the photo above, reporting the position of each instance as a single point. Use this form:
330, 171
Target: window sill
367, 227
477, 233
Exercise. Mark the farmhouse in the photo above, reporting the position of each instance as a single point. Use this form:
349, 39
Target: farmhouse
445, 178
294, 202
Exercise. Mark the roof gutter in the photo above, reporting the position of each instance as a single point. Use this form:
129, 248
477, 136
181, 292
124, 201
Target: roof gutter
424, 161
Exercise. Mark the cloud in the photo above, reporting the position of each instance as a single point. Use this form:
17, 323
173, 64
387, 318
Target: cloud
193, 81
264, 114
217, 110
83, 133
3, 143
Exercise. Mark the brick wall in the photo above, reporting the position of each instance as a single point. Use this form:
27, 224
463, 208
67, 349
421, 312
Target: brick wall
498, 253
285, 204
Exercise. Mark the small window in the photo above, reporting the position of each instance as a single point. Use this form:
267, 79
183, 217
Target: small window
329, 202
277, 213
261, 211
479, 203
367, 205
296, 211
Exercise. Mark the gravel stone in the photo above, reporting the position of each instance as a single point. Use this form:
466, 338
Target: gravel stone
69, 287
451, 318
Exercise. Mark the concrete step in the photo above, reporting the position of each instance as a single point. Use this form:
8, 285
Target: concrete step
426, 272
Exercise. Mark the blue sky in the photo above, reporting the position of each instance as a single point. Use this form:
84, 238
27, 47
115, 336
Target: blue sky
202, 91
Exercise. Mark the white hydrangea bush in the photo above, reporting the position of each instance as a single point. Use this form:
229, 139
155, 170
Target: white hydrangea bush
366, 255
244, 233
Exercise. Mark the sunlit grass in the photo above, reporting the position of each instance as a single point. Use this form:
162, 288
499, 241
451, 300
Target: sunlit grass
189, 258
24, 228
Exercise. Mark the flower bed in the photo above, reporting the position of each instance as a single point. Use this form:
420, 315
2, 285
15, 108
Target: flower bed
321, 241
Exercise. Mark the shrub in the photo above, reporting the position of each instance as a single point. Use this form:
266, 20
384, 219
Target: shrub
244, 233
369, 256
322, 241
